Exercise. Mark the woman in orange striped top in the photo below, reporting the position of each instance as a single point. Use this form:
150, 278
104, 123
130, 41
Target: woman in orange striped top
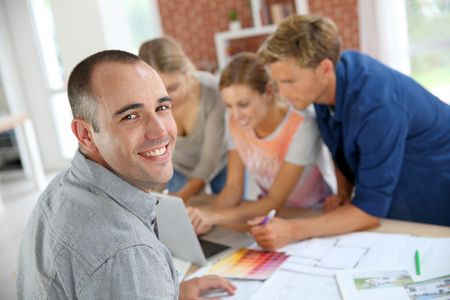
280, 146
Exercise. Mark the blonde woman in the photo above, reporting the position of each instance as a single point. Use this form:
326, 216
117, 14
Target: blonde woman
280, 146
200, 156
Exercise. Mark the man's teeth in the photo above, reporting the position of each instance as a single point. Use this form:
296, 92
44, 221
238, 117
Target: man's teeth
157, 152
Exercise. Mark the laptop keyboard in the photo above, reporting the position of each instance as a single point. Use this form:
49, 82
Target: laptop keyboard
210, 248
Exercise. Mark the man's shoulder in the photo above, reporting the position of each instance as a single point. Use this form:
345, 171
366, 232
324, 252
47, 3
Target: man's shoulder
85, 220
74, 244
357, 57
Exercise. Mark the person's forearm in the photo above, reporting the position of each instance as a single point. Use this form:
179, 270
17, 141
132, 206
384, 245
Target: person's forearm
344, 186
192, 187
243, 212
230, 195
345, 219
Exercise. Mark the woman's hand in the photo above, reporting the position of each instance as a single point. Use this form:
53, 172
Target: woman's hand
201, 219
272, 235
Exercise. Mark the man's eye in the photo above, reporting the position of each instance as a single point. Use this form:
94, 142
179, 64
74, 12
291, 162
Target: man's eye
172, 89
163, 107
130, 117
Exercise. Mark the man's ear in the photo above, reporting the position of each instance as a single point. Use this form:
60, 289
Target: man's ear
325, 67
269, 90
84, 132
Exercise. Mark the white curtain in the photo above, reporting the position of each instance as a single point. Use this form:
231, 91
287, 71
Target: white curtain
383, 30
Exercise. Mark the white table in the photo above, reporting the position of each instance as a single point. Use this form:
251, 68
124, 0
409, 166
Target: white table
385, 225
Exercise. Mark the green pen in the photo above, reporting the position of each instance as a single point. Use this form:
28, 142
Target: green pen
417, 262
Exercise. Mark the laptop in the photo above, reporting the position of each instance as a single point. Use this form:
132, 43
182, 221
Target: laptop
178, 235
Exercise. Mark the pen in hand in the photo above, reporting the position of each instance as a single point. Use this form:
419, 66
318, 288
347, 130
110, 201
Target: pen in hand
269, 217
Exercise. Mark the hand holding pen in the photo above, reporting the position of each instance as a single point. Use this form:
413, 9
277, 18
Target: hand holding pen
268, 217
269, 232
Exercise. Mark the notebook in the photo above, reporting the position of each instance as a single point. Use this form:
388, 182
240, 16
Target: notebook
178, 235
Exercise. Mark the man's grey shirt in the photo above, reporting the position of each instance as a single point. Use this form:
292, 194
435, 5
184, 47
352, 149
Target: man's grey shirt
91, 236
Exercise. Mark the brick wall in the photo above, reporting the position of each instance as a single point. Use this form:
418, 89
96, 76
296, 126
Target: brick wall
193, 24
345, 14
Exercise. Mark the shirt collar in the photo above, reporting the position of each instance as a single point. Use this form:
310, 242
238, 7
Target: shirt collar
340, 91
138, 202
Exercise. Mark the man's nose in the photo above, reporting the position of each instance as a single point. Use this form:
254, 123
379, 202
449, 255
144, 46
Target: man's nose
156, 128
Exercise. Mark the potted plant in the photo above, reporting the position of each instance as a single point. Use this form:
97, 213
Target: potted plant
234, 24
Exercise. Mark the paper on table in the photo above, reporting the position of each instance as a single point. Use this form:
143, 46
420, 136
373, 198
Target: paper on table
321, 256
386, 251
389, 283
430, 249
347, 257
293, 267
285, 285
387, 287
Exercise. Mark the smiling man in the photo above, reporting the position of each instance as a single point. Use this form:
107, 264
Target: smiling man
93, 233
389, 137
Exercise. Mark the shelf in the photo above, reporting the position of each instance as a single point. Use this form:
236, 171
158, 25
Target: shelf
221, 38
245, 32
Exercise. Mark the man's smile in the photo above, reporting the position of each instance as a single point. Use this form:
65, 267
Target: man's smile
156, 152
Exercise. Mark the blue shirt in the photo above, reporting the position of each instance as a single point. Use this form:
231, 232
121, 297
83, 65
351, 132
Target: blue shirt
91, 236
391, 138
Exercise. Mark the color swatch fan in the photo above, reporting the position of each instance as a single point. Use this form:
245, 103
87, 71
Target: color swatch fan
248, 264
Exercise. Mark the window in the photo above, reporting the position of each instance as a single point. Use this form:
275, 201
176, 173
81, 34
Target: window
429, 44
143, 19
55, 75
